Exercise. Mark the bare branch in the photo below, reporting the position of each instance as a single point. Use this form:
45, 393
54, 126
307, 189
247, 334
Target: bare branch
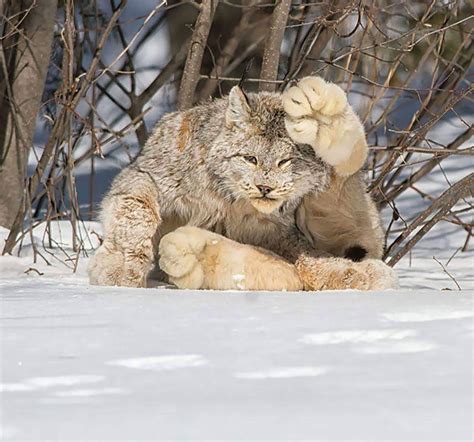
271, 56
192, 67
441, 206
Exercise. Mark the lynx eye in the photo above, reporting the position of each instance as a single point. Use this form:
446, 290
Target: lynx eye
283, 162
250, 159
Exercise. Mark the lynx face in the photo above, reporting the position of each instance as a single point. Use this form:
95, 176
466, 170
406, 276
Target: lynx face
257, 160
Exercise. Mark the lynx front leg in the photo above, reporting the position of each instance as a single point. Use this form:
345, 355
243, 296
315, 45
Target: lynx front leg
198, 259
127, 254
318, 114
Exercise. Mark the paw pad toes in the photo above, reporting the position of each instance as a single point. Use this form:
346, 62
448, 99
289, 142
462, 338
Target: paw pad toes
177, 265
336, 100
314, 89
302, 131
192, 280
295, 103
176, 257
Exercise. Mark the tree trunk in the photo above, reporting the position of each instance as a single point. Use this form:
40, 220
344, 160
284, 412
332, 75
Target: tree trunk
24, 59
192, 68
271, 55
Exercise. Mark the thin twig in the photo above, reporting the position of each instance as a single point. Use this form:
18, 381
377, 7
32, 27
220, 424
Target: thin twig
447, 273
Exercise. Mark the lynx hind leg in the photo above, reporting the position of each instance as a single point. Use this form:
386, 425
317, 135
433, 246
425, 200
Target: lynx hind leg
127, 253
318, 114
342, 274
198, 259
343, 220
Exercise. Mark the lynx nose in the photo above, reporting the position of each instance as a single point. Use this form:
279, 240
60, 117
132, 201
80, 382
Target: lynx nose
264, 190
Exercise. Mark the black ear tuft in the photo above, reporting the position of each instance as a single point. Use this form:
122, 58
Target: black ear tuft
245, 74
355, 253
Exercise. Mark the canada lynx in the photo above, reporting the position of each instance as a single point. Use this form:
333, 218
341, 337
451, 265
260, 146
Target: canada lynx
254, 192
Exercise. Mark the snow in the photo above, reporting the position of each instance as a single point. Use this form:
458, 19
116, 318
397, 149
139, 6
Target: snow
162, 363
108, 363
111, 363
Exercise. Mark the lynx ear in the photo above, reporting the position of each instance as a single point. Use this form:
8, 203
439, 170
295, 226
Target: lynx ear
238, 109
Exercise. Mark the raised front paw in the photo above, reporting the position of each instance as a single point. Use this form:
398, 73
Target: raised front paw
314, 97
180, 253
342, 274
318, 114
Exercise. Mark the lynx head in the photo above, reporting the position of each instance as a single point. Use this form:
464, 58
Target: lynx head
255, 159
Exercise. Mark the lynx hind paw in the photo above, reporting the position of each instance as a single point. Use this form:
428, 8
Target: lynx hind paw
179, 251
342, 274
381, 275
312, 96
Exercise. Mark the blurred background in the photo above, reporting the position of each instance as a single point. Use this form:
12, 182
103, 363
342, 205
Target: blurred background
82, 84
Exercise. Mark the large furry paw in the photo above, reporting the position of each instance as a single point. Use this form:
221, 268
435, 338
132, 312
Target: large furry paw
313, 96
109, 266
341, 274
106, 267
179, 256
195, 258
318, 114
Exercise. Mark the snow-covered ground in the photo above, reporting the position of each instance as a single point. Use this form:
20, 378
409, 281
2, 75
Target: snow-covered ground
105, 363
